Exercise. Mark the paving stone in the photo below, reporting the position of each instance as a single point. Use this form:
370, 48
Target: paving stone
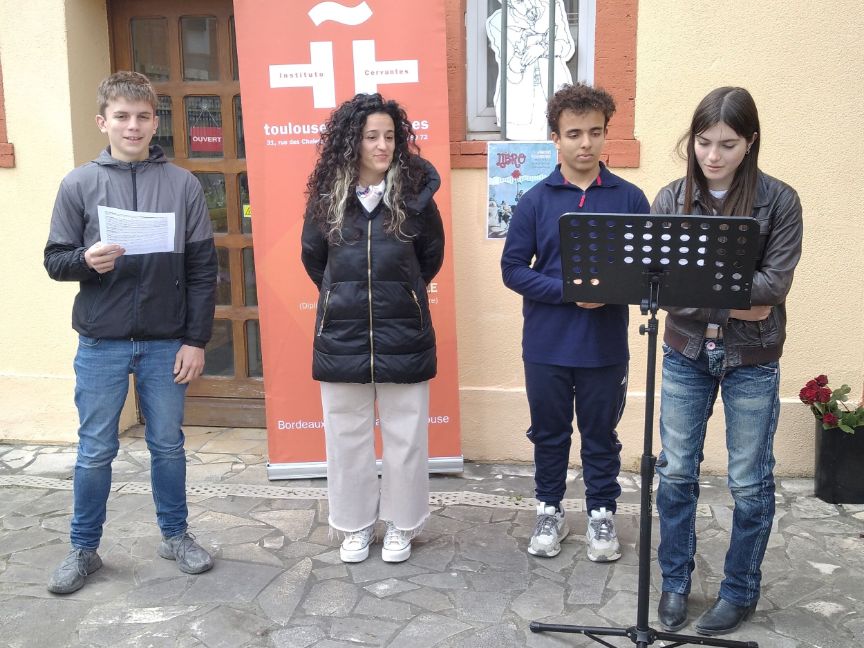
587, 582
58, 523
621, 609
475, 514
18, 458
503, 635
434, 555
333, 571
375, 569
490, 545
24, 619
295, 525
236, 535
549, 575
426, 630
624, 578
485, 607
14, 541
812, 508
229, 582
250, 553
331, 598
273, 542
297, 637
363, 631
389, 587
383, 608
428, 599
51, 502
789, 591
281, 597
310, 550
541, 599
225, 627
804, 627
445, 581
18, 522
497, 581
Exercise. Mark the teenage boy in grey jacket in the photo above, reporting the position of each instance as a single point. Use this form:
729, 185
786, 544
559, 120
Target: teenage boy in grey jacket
147, 314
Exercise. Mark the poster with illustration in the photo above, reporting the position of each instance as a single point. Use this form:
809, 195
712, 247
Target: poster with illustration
513, 168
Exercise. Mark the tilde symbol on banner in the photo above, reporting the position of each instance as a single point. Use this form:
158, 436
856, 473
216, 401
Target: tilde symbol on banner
319, 74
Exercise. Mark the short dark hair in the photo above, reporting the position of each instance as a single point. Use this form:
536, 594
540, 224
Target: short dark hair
132, 86
580, 98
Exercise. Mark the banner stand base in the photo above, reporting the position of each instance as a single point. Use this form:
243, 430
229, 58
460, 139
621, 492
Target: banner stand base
311, 469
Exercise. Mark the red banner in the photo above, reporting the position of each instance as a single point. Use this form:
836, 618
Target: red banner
298, 61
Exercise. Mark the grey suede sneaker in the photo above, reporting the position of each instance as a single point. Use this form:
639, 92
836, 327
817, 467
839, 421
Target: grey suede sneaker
190, 556
76, 566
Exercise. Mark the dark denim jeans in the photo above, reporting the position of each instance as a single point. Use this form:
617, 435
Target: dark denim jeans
751, 404
597, 395
102, 369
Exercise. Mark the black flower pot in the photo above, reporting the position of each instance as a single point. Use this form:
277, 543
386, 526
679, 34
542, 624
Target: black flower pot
839, 474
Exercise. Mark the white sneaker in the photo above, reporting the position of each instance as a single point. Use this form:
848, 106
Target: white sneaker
397, 544
602, 540
355, 546
551, 529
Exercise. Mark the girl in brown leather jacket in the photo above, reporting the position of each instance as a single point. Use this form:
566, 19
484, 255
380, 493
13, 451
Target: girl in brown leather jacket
708, 349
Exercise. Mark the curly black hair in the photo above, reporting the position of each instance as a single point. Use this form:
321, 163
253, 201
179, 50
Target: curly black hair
336, 171
580, 98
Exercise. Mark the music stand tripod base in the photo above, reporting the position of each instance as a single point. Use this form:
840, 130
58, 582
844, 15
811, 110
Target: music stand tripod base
654, 260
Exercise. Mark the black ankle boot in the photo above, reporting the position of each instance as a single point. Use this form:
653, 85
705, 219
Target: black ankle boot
723, 618
672, 611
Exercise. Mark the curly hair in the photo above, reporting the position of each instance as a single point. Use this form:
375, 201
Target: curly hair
336, 172
580, 98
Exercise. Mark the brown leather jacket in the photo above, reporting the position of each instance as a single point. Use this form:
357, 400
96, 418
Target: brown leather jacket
778, 210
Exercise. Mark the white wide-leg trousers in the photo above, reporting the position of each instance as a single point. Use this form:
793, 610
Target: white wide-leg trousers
355, 496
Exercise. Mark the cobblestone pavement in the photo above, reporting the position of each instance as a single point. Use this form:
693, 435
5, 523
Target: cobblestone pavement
278, 580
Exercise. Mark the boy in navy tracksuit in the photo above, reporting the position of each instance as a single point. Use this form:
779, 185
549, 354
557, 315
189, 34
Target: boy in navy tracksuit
573, 353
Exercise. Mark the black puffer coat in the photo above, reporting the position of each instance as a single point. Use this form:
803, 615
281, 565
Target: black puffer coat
373, 322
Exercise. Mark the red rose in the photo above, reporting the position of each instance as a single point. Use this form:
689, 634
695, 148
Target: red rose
821, 380
807, 395
829, 419
823, 395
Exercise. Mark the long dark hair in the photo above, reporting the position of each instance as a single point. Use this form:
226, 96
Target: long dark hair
330, 184
734, 107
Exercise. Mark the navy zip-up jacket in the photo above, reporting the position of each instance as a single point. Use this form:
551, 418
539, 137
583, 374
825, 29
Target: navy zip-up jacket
554, 332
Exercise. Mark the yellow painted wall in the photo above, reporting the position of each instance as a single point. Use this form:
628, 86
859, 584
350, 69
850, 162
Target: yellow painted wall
802, 63
53, 55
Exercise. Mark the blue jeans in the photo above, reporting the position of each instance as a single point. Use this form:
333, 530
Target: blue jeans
597, 394
102, 369
751, 403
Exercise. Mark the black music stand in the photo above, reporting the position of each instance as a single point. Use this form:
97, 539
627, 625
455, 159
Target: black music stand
691, 261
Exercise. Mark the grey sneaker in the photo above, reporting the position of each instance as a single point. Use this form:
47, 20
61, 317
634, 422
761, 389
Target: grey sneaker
190, 556
550, 530
602, 540
76, 566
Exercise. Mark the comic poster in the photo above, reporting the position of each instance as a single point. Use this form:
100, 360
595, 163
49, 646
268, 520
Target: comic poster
513, 168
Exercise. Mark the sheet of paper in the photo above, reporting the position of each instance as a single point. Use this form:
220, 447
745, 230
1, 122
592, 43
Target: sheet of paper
138, 232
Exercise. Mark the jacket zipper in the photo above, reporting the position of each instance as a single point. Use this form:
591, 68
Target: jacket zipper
420, 310
369, 277
324, 313
138, 268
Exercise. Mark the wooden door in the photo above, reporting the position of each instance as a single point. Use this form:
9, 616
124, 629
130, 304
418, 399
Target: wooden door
188, 50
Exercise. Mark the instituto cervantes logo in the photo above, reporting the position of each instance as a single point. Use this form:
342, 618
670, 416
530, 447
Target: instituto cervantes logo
319, 74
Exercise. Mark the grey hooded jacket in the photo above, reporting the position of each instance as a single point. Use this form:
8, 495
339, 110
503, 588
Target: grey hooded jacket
166, 295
